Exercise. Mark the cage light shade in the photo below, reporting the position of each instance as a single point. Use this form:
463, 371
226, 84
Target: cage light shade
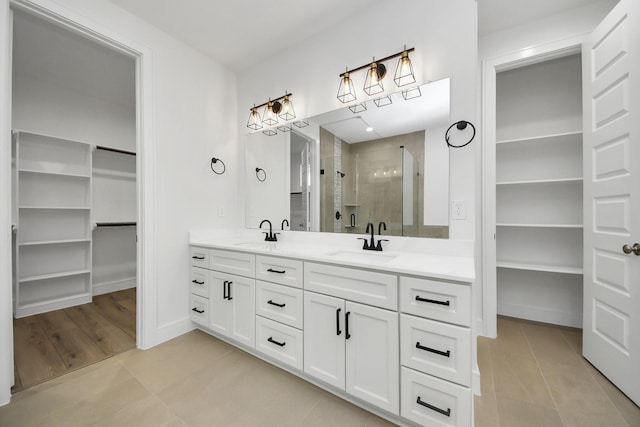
404, 71
254, 122
346, 91
373, 82
287, 112
269, 117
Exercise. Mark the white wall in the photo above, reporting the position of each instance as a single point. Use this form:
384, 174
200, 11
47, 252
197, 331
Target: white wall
444, 35
194, 114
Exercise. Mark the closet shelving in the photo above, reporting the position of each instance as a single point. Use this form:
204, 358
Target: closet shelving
539, 178
53, 237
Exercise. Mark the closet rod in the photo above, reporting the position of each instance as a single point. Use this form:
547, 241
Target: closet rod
115, 150
115, 224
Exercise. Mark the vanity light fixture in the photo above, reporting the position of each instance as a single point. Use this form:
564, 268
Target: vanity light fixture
358, 108
272, 111
301, 123
383, 101
414, 92
404, 71
376, 71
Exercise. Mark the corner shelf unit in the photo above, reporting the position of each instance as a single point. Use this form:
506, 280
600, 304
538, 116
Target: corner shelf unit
53, 237
539, 179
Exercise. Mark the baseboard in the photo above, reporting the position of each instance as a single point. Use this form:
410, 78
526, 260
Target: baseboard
538, 314
118, 285
174, 329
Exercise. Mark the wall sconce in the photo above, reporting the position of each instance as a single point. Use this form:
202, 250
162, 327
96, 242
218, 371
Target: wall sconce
376, 71
272, 111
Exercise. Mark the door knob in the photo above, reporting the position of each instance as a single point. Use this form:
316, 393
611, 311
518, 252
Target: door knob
627, 249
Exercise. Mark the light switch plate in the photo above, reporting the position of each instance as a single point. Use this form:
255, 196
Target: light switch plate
458, 209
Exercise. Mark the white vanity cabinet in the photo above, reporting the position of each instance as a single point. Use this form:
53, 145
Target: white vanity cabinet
399, 345
350, 345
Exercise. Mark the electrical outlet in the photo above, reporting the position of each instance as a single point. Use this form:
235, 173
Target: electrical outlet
458, 209
220, 212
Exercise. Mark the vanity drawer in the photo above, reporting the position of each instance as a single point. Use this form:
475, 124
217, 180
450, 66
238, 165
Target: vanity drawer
279, 270
279, 341
239, 263
363, 286
448, 302
436, 348
430, 401
199, 257
280, 303
200, 282
199, 309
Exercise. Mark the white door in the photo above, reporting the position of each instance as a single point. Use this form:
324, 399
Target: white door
241, 295
324, 334
372, 356
611, 79
219, 305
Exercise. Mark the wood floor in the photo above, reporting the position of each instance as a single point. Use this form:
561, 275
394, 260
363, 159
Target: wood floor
51, 344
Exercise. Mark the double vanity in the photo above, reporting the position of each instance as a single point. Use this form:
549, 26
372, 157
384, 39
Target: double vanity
389, 331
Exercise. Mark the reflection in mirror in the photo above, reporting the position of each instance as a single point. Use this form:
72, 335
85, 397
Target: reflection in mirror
346, 169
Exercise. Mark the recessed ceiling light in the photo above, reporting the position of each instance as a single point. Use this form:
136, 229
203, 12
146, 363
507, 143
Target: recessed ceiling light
369, 129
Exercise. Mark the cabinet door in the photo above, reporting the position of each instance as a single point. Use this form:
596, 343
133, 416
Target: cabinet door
241, 298
219, 305
324, 332
372, 355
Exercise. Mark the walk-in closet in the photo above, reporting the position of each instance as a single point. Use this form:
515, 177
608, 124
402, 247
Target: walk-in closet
74, 200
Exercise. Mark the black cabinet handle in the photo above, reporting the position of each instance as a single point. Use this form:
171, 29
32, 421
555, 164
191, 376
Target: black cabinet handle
338, 331
276, 304
229, 283
432, 350
281, 344
197, 282
197, 257
434, 408
346, 323
224, 289
197, 311
271, 270
432, 301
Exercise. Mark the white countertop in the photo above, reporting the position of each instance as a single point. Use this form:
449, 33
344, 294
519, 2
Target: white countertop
437, 258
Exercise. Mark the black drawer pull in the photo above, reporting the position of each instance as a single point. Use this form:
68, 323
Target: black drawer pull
197, 257
432, 301
271, 270
434, 408
338, 331
224, 289
276, 304
432, 350
197, 311
196, 282
346, 322
281, 344
229, 297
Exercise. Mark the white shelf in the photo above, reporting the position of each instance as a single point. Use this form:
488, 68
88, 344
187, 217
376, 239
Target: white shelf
530, 225
555, 138
70, 175
54, 242
66, 208
540, 181
48, 276
539, 267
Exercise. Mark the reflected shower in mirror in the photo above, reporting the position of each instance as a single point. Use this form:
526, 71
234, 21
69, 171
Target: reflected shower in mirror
360, 164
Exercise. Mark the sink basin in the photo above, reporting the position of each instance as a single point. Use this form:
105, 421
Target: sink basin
257, 245
376, 257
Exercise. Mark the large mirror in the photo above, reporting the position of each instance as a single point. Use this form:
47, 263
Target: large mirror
340, 170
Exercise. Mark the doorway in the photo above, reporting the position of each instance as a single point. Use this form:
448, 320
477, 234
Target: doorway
75, 199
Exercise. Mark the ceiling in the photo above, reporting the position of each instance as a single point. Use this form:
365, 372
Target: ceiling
241, 33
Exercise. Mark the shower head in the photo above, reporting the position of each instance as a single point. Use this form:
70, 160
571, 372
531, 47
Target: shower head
340, 173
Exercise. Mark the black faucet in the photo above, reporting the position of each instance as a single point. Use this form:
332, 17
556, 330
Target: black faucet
287, 221
270, 236
371, 244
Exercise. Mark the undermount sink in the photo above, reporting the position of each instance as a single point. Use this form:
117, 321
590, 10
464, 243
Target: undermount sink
362, 256
257, 245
